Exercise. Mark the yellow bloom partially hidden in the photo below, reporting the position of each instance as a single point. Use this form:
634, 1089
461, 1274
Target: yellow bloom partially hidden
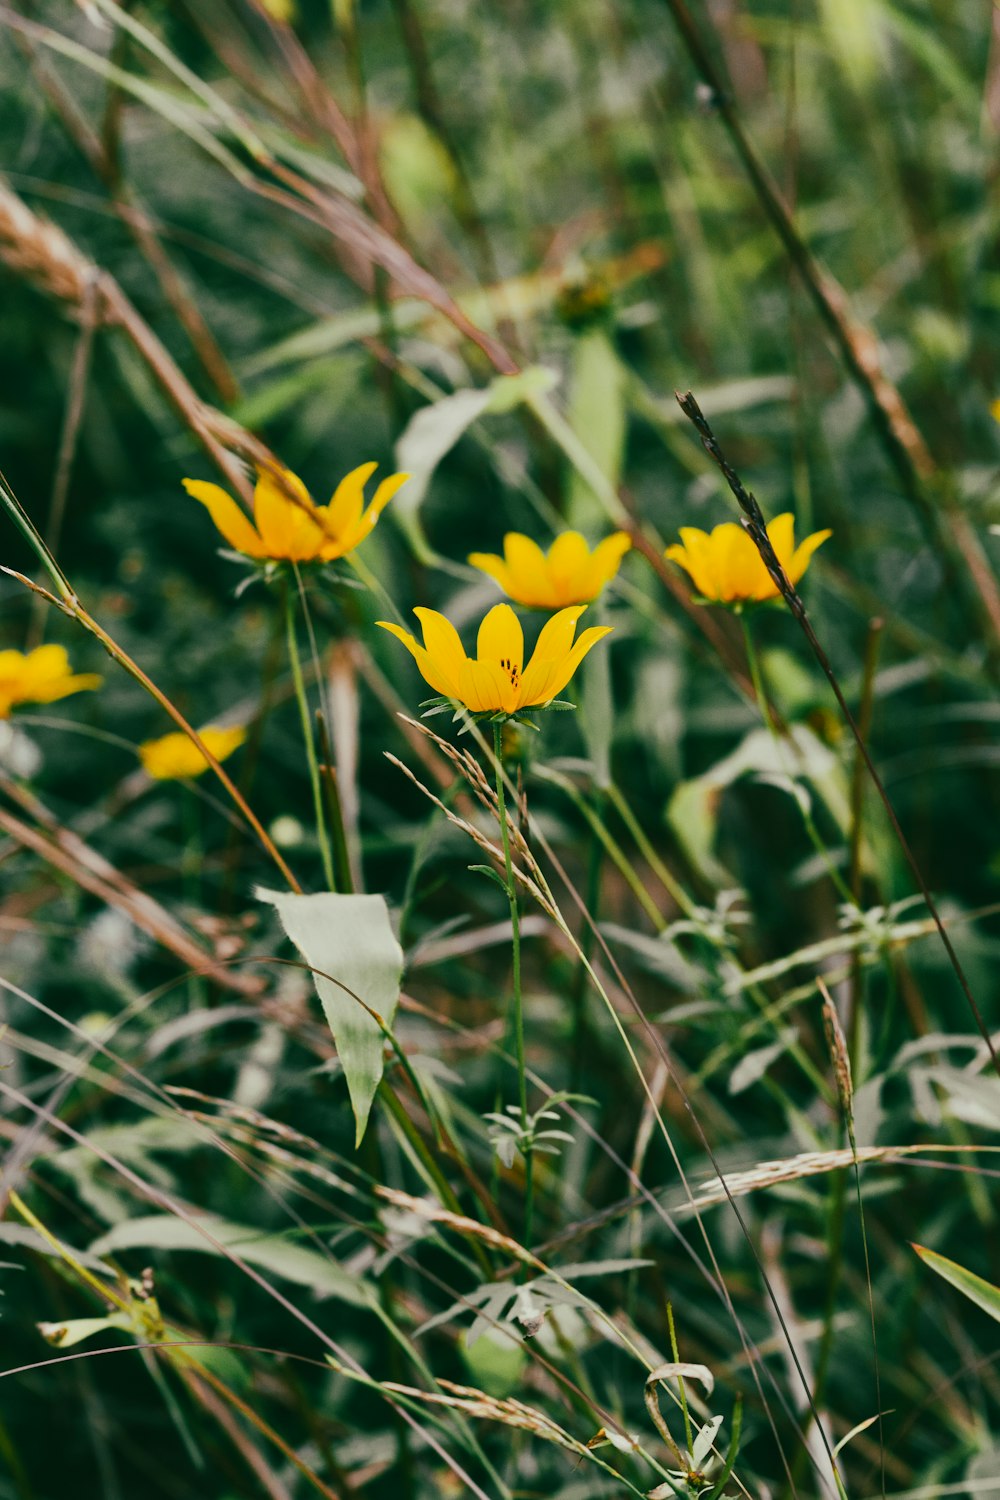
497, 681
297, 530
995, 409
569, 573
175, 757
726, 568
39, 676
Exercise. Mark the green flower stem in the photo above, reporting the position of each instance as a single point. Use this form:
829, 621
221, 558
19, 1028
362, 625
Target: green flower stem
307, 734
515, 926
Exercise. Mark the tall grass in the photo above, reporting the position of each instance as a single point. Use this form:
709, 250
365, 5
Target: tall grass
413, 1106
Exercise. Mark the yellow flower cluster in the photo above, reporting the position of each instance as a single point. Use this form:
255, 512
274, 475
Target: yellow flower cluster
288, 526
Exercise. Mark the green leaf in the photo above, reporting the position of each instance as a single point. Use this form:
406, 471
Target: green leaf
983, 1293
597, 417
493, 874
432, 432
270, 1252
349, 944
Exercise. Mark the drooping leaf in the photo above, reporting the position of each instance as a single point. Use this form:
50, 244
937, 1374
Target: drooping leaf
432, 432
74, 1330
675, 1368
356, 961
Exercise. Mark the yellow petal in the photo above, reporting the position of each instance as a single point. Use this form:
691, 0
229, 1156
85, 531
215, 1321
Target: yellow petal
495, 567
606, 560
390, 486
356, 534
82, 682
427, 668
287, 529
568, 560
46, 664
444, 647
348, 500
175, 756
696, 555
555, 641
487, 688
228, 517
800, 557
527, 570
222, 742
781, 535
501, 639
563, 669
740, 570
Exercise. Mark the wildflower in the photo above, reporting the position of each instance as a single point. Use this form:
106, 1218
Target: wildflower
175, 756
297, 530
39, 676
726, 568
568, 574
496, 682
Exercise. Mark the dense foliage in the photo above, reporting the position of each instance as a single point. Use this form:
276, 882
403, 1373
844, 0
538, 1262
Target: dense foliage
487, 1102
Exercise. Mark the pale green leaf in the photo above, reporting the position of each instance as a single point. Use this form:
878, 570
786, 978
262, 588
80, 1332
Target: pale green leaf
213, 1236
432, 432
356, 961
74, 1330
597, 417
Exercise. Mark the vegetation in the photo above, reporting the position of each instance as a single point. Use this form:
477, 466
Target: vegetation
546, 1049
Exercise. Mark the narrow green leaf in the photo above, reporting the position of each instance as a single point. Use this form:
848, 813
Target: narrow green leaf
597, 417
983, 1293
493, 874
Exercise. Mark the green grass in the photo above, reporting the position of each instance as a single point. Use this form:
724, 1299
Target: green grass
336, 241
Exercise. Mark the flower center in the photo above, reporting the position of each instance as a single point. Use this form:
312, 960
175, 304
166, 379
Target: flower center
513, 670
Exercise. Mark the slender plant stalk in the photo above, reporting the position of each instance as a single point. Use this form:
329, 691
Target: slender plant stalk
753, 522
518, 1004
865, 714
757, 678
307, 735
578, 994
682, 1394
334, 809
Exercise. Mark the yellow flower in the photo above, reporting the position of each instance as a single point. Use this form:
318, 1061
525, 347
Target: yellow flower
995, 409
496, 681
175, 756
726, 568
568, 574
39, 676
305, 532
